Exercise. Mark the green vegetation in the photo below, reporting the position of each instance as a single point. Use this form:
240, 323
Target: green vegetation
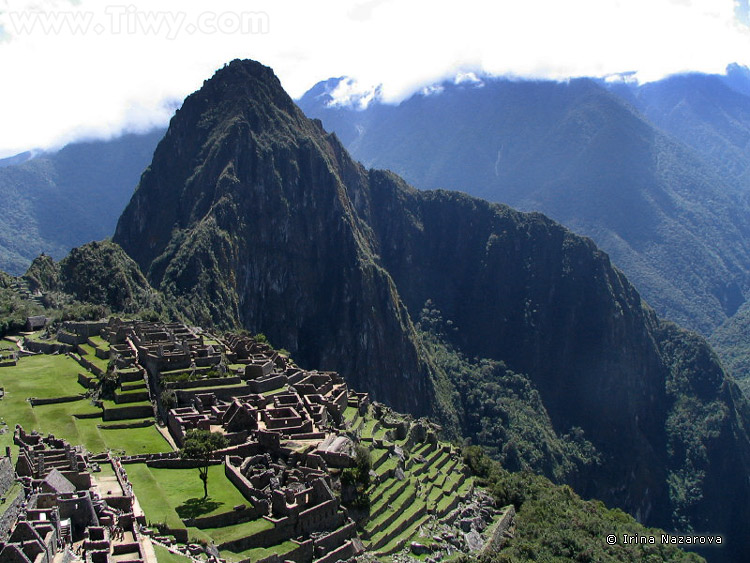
698, 420
431, 487
14, 308
260, 552
101, 273
46, 376
358, 477
60, 200
169, 495
731, 343
200, 445
163, 555
502, 411
555, 524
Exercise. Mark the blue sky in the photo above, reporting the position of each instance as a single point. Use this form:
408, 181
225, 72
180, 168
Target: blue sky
93, 68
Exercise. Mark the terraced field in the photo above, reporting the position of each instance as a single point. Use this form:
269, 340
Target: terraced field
163, 555
50, 376
432, 486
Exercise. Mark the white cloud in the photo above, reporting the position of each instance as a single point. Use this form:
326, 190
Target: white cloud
350, 93
110, 66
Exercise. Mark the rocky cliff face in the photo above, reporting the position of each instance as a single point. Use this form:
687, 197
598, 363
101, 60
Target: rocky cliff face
525, 290
250, 213
671, 221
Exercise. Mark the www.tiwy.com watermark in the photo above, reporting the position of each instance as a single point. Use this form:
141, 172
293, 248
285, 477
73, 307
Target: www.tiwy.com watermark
118, 20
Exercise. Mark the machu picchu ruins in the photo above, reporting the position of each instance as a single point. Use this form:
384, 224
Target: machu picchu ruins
311, 470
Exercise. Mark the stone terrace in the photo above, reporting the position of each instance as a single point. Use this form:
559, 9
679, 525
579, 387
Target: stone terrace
293, 434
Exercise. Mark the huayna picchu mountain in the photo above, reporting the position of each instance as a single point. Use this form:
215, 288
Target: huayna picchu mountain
252, 214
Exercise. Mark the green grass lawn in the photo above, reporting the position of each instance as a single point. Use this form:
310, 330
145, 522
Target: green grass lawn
152, 497
163, 555
41, 376
350, 414
140, 389
367, 428
237, 531
399, 503
165, 494
46, 376
91, 356
259, 552
390, 463
404, 536
99, 342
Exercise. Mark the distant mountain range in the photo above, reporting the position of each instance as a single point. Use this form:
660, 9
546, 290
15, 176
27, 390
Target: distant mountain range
655, 174
55, 201
620, 163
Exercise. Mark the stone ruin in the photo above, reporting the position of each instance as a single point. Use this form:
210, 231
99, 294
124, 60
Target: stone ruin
65, 513
288, 443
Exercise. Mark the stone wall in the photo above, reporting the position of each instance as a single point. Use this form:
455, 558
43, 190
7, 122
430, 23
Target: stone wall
342, 553
143, 458
184, 396
87, 364
85, 329
45, 347
123, 413
329, 542
54, 400
180, 463
7, 475
71, 339
209, 382
258, 369
225, 518
132, 397
265, 538
496, 537
86, 381
207, 361
11, 511
126, 425
239, 480
335, 459
302, 554
266, 384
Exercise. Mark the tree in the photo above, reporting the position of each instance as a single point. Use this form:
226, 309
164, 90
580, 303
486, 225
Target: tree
200, 445
357, 479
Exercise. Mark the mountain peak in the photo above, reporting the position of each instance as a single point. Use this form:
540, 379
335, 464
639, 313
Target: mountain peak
245, 83
250, 214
